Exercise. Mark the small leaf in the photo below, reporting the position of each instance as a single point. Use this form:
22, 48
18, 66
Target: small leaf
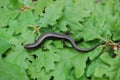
47, 60
101, 69
79, 63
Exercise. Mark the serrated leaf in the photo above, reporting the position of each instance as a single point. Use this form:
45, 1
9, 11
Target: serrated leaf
52, 13
98, 69
79, 68
71, 17
90, 20
4, 18
40, 5
23, 23
47, 60
95, 53
41, 75
47, 45
61, 73
101, 69
17, 54
87, 34
113, 70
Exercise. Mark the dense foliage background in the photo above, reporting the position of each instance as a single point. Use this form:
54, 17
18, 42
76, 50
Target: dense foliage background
88, 21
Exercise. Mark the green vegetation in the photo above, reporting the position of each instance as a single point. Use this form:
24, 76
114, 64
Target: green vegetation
23, 21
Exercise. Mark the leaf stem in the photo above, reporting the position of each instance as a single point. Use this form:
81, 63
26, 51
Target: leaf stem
95, 34
110, 42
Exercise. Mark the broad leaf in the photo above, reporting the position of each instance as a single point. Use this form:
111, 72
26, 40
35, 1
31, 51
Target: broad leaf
10, 71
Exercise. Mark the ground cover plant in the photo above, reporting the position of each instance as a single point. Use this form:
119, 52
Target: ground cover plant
88, 22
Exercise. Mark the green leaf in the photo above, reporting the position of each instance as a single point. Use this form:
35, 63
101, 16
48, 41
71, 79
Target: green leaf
95, 53
18, 56
16, 3
6, 2
116, 29
47, 60
98, 69
94, 78
10, 71
101, 69
79, 68
71, 18
58, 44
40, 5
41, 75
91, 69
61, 73
89, 30
113, 70
5, 35
52, 13
4, 46
86, 20
4, 18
